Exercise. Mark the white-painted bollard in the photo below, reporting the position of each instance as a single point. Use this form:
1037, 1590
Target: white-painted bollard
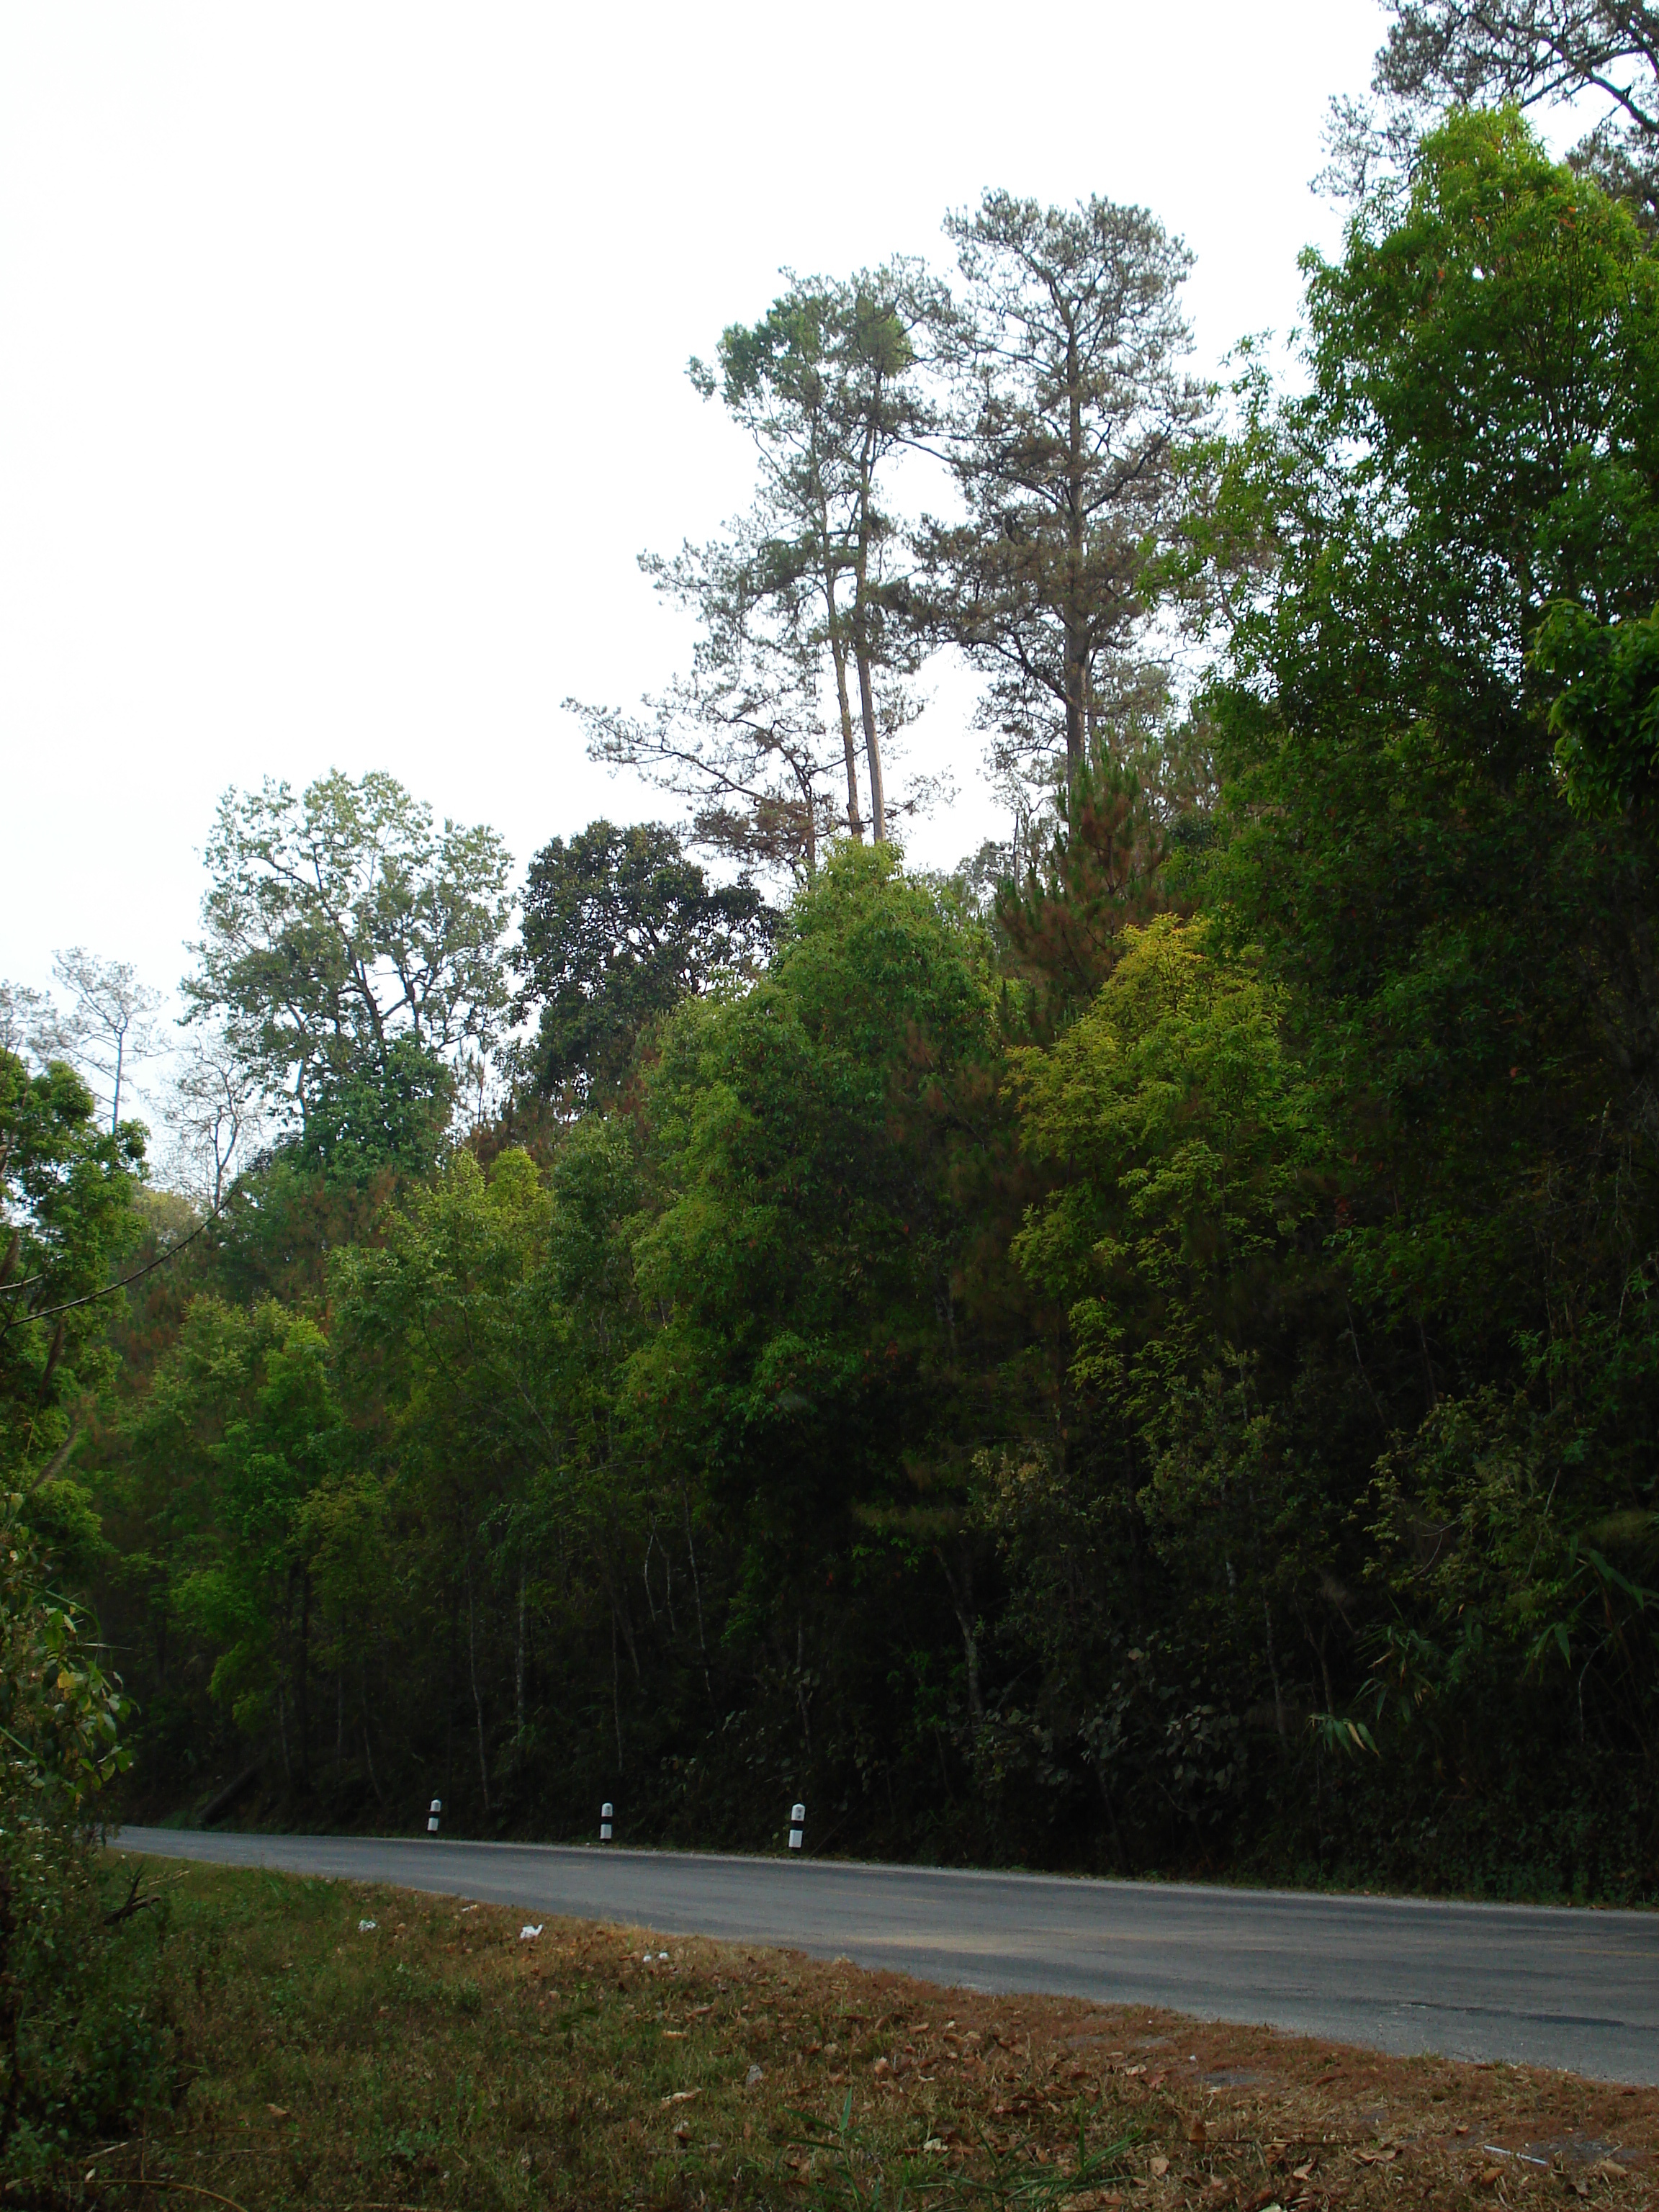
797, 1822
431, 1817
605, 1814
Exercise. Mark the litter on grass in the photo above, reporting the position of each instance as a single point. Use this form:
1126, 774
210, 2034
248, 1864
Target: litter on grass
366, 1927
528, 1934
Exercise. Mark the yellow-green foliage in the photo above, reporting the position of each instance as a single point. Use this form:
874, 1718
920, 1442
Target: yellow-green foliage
1182, 1132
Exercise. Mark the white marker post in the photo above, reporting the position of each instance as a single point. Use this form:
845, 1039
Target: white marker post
431, 1817
606, 1814
797, 1822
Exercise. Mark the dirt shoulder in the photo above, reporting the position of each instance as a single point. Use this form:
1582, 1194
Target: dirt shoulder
439, 2055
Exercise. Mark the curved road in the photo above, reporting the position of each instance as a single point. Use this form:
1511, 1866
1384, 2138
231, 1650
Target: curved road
1549, 1987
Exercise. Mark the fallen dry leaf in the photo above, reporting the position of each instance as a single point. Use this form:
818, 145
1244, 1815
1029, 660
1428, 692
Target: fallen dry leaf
1160, 2168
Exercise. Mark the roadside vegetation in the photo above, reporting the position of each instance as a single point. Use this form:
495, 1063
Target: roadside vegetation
438, 2058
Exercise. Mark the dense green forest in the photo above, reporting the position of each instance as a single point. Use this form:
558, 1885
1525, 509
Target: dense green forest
1137, 1355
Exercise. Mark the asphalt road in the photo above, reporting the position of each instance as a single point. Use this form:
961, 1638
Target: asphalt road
1576, 1989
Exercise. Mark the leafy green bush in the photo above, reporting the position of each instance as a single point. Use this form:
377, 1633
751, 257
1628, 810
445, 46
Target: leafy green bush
81, 2045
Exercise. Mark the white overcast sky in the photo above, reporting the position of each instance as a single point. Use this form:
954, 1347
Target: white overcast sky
341, 359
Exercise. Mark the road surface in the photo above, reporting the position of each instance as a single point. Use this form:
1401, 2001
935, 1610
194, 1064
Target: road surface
1576, 1990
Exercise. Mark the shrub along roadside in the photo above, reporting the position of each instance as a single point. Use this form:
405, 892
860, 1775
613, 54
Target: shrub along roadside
358, 2045
78, 2048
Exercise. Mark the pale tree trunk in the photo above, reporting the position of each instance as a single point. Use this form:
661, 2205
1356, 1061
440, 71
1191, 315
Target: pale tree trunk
697, 1593
1273, 1669
962, 1604
615, 1688
805, 785
801, 1698
872, 751
645, 1574
1111, 1815
620, 1615
518, 1662
838, 657
1077, 646
369, 1761
838, 654
449, 1702
302, 1684
861, 647
1267, 1609
477, 1701
368, 1755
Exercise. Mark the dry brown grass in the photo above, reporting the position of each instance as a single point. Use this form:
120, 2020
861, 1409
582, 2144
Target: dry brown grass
441, 2060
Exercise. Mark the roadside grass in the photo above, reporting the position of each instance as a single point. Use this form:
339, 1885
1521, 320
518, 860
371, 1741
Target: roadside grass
437, 2058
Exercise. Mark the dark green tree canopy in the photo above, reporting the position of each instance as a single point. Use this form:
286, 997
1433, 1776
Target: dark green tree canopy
67, 1187
1481, 441
1477, 454
1091, 869
363, 1117
1606, 720
619, 926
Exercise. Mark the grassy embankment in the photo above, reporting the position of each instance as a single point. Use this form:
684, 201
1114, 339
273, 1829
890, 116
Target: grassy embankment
437, 2059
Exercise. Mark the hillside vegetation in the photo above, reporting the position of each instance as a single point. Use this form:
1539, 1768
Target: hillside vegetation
1137, 1355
